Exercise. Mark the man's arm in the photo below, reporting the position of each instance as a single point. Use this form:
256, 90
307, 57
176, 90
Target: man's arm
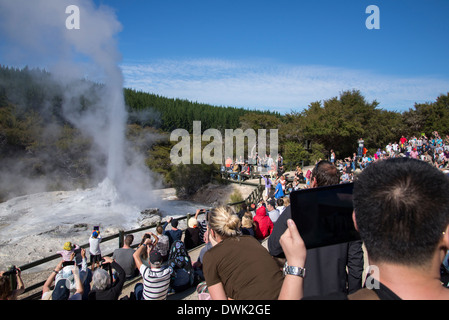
217, 292
51, 278
295, 252
78, 284
138, 253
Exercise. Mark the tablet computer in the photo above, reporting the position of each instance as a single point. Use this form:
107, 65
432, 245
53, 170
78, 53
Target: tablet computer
323, 215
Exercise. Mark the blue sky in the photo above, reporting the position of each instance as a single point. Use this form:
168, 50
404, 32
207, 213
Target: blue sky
284, 54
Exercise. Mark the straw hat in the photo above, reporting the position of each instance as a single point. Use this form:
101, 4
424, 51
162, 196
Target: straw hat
193, 223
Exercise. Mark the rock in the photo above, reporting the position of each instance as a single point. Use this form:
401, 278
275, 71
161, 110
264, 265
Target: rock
149, 216
150, 211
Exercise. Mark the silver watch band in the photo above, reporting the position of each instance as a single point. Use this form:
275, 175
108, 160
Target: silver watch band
296, 271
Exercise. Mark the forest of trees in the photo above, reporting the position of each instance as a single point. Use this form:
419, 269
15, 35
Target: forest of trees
37, 140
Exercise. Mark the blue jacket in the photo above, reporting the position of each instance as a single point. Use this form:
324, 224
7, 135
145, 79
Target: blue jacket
172, 235
279, 193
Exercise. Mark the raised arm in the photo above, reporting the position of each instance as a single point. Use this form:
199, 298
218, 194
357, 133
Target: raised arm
295, 253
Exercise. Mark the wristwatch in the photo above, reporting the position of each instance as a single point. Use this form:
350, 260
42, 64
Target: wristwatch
296, 271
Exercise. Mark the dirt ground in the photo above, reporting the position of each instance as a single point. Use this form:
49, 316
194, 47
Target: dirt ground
218, 194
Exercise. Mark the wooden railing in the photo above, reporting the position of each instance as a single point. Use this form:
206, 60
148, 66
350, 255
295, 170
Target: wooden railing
120, 236
254, 197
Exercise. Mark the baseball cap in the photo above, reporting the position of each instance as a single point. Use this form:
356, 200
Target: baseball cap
155, 257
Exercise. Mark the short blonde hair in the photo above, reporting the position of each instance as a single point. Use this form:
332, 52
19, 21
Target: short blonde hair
224, 221
247, 220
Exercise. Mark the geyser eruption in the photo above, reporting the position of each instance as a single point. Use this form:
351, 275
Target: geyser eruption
33, 33
37, 35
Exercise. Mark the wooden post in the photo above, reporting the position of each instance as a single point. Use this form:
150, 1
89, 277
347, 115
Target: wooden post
121, 238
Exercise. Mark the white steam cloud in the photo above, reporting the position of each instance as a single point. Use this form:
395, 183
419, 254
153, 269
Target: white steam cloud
34, 33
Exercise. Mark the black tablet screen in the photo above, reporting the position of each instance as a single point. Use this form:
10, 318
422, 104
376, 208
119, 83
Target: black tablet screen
323, 215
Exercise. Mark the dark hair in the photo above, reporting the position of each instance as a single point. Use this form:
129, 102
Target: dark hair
129, 239
174, 223
325, 173
280, 202
401, 208
145, 236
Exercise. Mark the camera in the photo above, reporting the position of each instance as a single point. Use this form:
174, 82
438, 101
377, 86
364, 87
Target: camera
12, 271
68, 263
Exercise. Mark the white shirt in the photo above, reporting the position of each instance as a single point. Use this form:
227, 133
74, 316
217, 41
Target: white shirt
156, 282
274, 215
94, 243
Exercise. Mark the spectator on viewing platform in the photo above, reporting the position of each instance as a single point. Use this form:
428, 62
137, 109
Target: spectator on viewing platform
173, 234
243, 210
406, 234
326, 266
63, 284
107, 281
248, 225
94, 249
264, 225
163, 243
332, 156
299, 174
156, 278
183, 273
402, 142
67, 250
8, 278
228, 163
238, 267
65, 271
235, 171
192, 234
150, 245
414, 153
279, 191
202, 225
296, 186
268, 185
246, 169
273, 213
360, 147
124, 257
198, 264
280, 205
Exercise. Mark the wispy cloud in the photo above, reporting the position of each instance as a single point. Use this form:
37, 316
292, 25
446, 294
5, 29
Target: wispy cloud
264, 84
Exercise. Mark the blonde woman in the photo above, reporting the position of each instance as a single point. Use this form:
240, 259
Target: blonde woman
248, 225
238, 266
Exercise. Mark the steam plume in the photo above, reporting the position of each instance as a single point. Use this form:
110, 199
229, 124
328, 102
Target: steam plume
35, 34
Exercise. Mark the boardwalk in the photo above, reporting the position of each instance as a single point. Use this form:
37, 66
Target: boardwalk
189, 294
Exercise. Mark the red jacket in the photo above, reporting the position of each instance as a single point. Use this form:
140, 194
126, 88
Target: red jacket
263, 223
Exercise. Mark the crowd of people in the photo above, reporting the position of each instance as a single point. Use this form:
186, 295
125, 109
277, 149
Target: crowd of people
401, 211
161, 260
240, 169
433, 150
